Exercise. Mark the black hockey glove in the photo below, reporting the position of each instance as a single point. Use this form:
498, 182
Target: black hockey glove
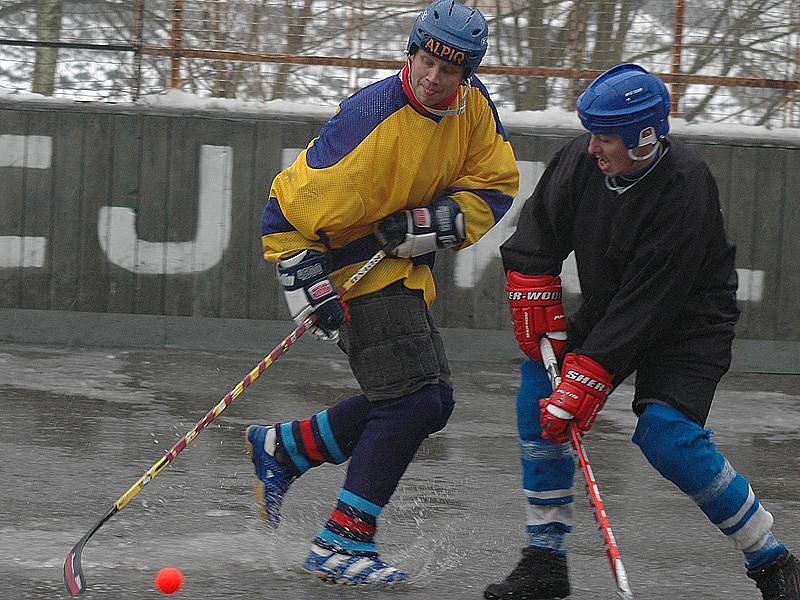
422, 230
308, 289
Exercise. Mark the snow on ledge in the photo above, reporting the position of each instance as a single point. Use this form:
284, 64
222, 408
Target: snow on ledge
551, 119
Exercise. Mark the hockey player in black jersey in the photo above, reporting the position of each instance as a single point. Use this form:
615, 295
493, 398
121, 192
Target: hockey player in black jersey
641, 212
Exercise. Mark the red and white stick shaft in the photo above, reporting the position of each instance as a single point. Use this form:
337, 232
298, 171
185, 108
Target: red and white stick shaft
592, 489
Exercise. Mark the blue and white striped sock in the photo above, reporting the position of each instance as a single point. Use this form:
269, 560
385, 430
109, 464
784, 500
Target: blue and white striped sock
763, 552
548, 537
683, 452
548, 469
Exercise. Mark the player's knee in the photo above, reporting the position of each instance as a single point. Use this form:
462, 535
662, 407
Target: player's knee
677, 447
423, 411
446, 404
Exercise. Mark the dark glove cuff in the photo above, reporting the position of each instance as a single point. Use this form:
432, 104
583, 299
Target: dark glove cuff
448, 221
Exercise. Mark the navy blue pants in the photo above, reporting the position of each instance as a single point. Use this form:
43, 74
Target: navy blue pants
398, 359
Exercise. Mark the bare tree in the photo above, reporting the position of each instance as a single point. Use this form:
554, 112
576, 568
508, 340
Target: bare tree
612, 22
297, 20
744, 38
531, 34
48, 29
740, 40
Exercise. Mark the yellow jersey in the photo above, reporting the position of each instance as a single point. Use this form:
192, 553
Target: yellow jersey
382, 153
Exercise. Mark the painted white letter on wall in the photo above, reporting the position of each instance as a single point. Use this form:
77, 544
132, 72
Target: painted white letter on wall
116, 226
27, 152
472, 262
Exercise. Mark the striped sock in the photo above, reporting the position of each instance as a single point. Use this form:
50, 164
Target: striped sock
351, 526
545, 466
309, 442
548, 469
548, 537
683, 452
730, 503
763, 552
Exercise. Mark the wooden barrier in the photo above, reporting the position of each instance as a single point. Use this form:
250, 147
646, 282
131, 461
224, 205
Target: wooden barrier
157, 211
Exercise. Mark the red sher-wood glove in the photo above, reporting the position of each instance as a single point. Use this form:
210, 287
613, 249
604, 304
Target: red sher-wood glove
583, 390
536, 311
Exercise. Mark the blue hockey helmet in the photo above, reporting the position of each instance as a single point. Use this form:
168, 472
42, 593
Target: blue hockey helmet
452, 32
628, 101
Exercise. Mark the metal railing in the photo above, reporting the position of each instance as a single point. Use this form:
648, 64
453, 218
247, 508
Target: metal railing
725, 60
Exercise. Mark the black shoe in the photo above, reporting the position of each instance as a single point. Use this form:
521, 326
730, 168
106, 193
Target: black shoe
540, 575
779, 580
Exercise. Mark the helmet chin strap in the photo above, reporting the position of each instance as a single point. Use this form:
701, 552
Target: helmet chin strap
447, 112
648, 156
621, 184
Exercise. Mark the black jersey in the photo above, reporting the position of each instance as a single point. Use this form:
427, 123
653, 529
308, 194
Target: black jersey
655, 266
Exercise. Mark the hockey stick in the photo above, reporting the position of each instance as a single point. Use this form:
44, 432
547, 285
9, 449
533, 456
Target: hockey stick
592, 489
74, 580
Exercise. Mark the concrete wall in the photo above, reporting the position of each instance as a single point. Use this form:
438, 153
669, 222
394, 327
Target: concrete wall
136, 210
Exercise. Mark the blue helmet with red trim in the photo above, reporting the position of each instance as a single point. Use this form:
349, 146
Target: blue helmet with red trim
628, 101
452, 32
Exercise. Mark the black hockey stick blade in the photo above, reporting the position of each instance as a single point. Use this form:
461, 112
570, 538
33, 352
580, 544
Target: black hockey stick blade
74, 580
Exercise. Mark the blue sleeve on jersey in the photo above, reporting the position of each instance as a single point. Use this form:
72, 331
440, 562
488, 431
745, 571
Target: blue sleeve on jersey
273, 219
358, 116
498, 202
476, 83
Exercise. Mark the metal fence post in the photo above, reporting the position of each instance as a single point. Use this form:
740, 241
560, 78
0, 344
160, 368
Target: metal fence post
177, 34
677, 47
138, 32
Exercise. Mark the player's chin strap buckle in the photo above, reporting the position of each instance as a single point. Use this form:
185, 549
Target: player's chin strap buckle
452, 112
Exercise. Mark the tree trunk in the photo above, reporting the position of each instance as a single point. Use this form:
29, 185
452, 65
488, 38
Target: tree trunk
533, 93
295, 37
613, 21
48, 29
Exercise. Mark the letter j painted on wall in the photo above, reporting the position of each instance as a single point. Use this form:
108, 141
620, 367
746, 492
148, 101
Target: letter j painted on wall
116, 226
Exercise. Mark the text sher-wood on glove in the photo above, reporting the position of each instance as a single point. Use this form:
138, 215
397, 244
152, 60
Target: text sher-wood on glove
418, 231
583, 390
308, 289
536, 311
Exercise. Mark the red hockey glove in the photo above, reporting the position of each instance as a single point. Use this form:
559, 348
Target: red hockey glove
536, 310
583, 390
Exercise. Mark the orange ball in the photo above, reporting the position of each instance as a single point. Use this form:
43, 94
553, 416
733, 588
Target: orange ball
169, 580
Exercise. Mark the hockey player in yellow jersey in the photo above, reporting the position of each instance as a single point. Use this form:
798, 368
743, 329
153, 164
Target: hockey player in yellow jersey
411, 164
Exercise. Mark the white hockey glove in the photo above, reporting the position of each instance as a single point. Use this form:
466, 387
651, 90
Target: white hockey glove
308, 289
422, 230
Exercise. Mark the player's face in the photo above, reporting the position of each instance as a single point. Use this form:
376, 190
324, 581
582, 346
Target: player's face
612, 155
433, 79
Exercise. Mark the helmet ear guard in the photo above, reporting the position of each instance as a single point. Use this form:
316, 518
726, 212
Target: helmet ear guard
647, 136
452, 32
628, 101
